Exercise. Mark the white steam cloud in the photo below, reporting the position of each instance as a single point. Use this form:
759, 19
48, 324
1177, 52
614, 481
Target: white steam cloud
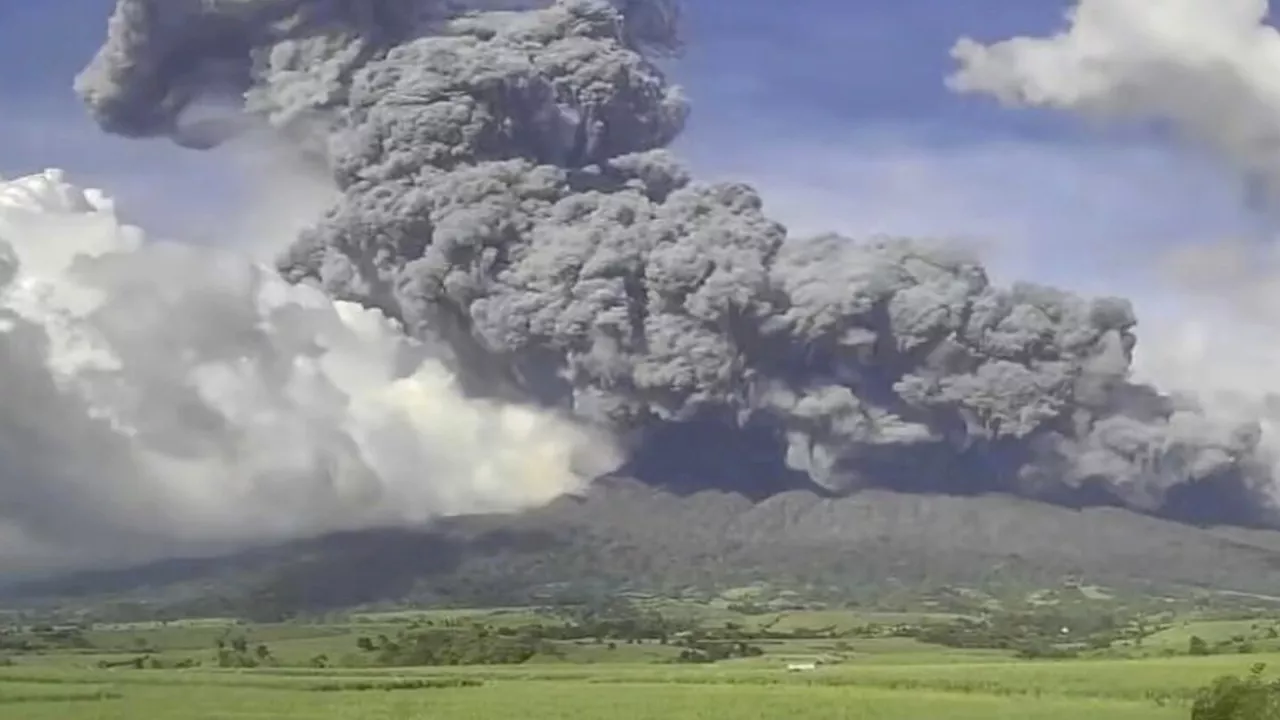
162, 398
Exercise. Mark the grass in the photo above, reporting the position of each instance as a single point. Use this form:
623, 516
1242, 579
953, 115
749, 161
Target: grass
1104, 689
20, 693
565, 700
202, 637
1211, 631
874, 678
842, 620
498, 617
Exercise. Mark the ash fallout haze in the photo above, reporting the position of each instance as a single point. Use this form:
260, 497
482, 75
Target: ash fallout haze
482, 279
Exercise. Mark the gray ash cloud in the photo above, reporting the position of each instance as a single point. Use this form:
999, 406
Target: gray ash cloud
507, 194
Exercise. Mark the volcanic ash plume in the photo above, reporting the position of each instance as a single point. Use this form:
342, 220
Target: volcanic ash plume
505, 193
1206, 70
164, 398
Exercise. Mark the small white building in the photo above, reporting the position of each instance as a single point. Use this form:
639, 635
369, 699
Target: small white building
801, 666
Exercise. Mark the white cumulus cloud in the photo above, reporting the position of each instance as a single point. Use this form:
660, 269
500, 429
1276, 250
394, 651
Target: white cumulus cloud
162, 398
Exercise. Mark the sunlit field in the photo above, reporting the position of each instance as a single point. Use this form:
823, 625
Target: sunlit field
868, 678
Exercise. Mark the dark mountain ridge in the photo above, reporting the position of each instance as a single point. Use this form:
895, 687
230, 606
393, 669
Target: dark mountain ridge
624, 534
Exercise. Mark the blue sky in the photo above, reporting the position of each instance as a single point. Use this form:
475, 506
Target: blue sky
836, 109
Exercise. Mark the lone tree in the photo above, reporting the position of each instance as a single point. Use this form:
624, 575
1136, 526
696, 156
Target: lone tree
1197, 646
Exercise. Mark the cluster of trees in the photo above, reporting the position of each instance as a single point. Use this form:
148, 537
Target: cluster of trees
44, 638
149, 662
1041, 633
457, 643
1033, 634
472, 645
1238, 643
231, 652
1051, 633
709, 651
235, 652
617, 622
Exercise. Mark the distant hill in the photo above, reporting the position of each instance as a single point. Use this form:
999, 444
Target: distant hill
624, 534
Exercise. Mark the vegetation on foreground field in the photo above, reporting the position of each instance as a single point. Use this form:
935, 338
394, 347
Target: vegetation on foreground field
653, 659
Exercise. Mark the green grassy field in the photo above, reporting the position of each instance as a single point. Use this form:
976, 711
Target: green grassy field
870, 678
568, 701
1100, 689
1216, 631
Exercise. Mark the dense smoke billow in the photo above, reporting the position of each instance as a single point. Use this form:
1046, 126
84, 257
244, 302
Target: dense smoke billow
1203, 70
506, 196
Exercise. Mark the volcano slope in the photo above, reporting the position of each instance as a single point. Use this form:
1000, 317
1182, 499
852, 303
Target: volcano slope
624, 534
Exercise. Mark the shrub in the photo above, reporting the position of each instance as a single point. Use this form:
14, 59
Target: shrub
1235, 698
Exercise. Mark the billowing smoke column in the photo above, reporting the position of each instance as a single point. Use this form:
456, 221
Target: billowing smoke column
506, 195
164, 399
